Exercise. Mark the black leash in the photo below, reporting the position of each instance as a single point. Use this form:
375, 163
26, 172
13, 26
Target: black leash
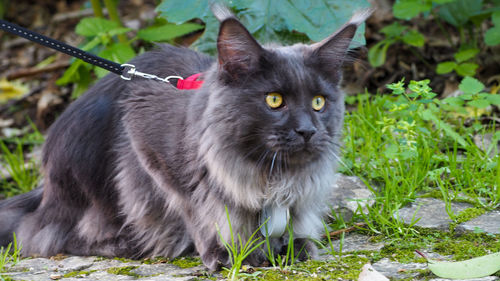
126, 71
61, 47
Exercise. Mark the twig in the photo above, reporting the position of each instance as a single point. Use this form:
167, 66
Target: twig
62, 17
35, 70
422, 254
348, 229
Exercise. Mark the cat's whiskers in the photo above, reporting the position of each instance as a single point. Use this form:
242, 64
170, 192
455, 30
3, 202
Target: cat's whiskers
272, 164
252, 151
262, 158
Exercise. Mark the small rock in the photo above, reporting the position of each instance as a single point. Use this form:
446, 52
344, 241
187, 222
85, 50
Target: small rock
352, 242
76, 263
56, 276
368, 273
489, 223
154, 269
431, 212
398, 270
349, 191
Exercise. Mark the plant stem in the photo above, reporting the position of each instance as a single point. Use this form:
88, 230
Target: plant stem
113, 15
96, 6
443, 30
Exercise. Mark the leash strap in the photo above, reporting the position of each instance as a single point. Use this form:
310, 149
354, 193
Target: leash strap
126, 71
61, 47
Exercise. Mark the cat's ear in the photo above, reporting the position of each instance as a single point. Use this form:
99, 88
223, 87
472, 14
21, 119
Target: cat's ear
239, 53
330, 53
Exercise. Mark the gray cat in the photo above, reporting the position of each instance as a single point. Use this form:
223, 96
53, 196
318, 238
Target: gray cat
139, 168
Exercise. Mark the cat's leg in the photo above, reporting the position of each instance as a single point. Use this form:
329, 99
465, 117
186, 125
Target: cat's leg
307, 224
210, 226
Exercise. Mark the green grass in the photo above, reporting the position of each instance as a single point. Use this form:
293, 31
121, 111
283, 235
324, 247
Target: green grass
24, 173
407, 145
238, 251
9, 256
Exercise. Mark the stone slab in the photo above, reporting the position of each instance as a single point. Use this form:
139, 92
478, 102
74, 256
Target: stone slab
396, 270
431, 213
488, 222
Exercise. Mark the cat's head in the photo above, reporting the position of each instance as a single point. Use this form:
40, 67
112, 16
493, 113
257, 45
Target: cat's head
280, 105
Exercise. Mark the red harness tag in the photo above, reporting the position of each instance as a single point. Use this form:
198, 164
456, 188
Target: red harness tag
189, 83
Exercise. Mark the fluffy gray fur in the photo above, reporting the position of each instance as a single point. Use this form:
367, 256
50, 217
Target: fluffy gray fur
140, 168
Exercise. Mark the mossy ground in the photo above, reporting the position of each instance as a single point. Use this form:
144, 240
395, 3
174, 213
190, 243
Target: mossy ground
78, 274
186, 262
125, 270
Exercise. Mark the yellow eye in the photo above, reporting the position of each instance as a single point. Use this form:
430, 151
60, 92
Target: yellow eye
274, 100
318, 103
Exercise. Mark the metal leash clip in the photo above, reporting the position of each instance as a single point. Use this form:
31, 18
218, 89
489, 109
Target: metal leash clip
129, 71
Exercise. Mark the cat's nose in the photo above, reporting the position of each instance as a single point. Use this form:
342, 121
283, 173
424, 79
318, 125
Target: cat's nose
306, 133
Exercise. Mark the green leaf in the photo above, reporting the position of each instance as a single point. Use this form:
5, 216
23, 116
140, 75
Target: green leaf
494, 99
442, 1
394, 29
459, 12
378, 52
466, 69
470, 85
454, 101
167, 32
465, 55
71, 74
414, 38
495, 18
391, 151
267, 20
479, 103
445, 67
95, 26
492, 36
466, 96
468, 269
119, 30
408, 9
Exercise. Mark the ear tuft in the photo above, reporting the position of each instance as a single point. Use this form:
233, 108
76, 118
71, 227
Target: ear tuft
330, 53
221, 12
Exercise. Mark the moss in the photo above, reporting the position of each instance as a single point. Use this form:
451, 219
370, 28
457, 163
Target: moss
401, 252
124, 260
186, 262
155, 260
468, 246
347, 268
125, 270
77, 273
466, 215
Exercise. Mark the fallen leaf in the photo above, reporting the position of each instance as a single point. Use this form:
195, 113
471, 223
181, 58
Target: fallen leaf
368, 273
10, 90
468, 269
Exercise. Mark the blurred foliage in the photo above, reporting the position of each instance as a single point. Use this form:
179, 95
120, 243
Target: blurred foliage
110, 40
465, 15
279, 20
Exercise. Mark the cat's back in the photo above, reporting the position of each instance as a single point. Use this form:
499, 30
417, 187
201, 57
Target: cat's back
80, 144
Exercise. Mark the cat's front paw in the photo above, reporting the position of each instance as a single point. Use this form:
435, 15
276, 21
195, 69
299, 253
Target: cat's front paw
306, 249
257, 259
216, 258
